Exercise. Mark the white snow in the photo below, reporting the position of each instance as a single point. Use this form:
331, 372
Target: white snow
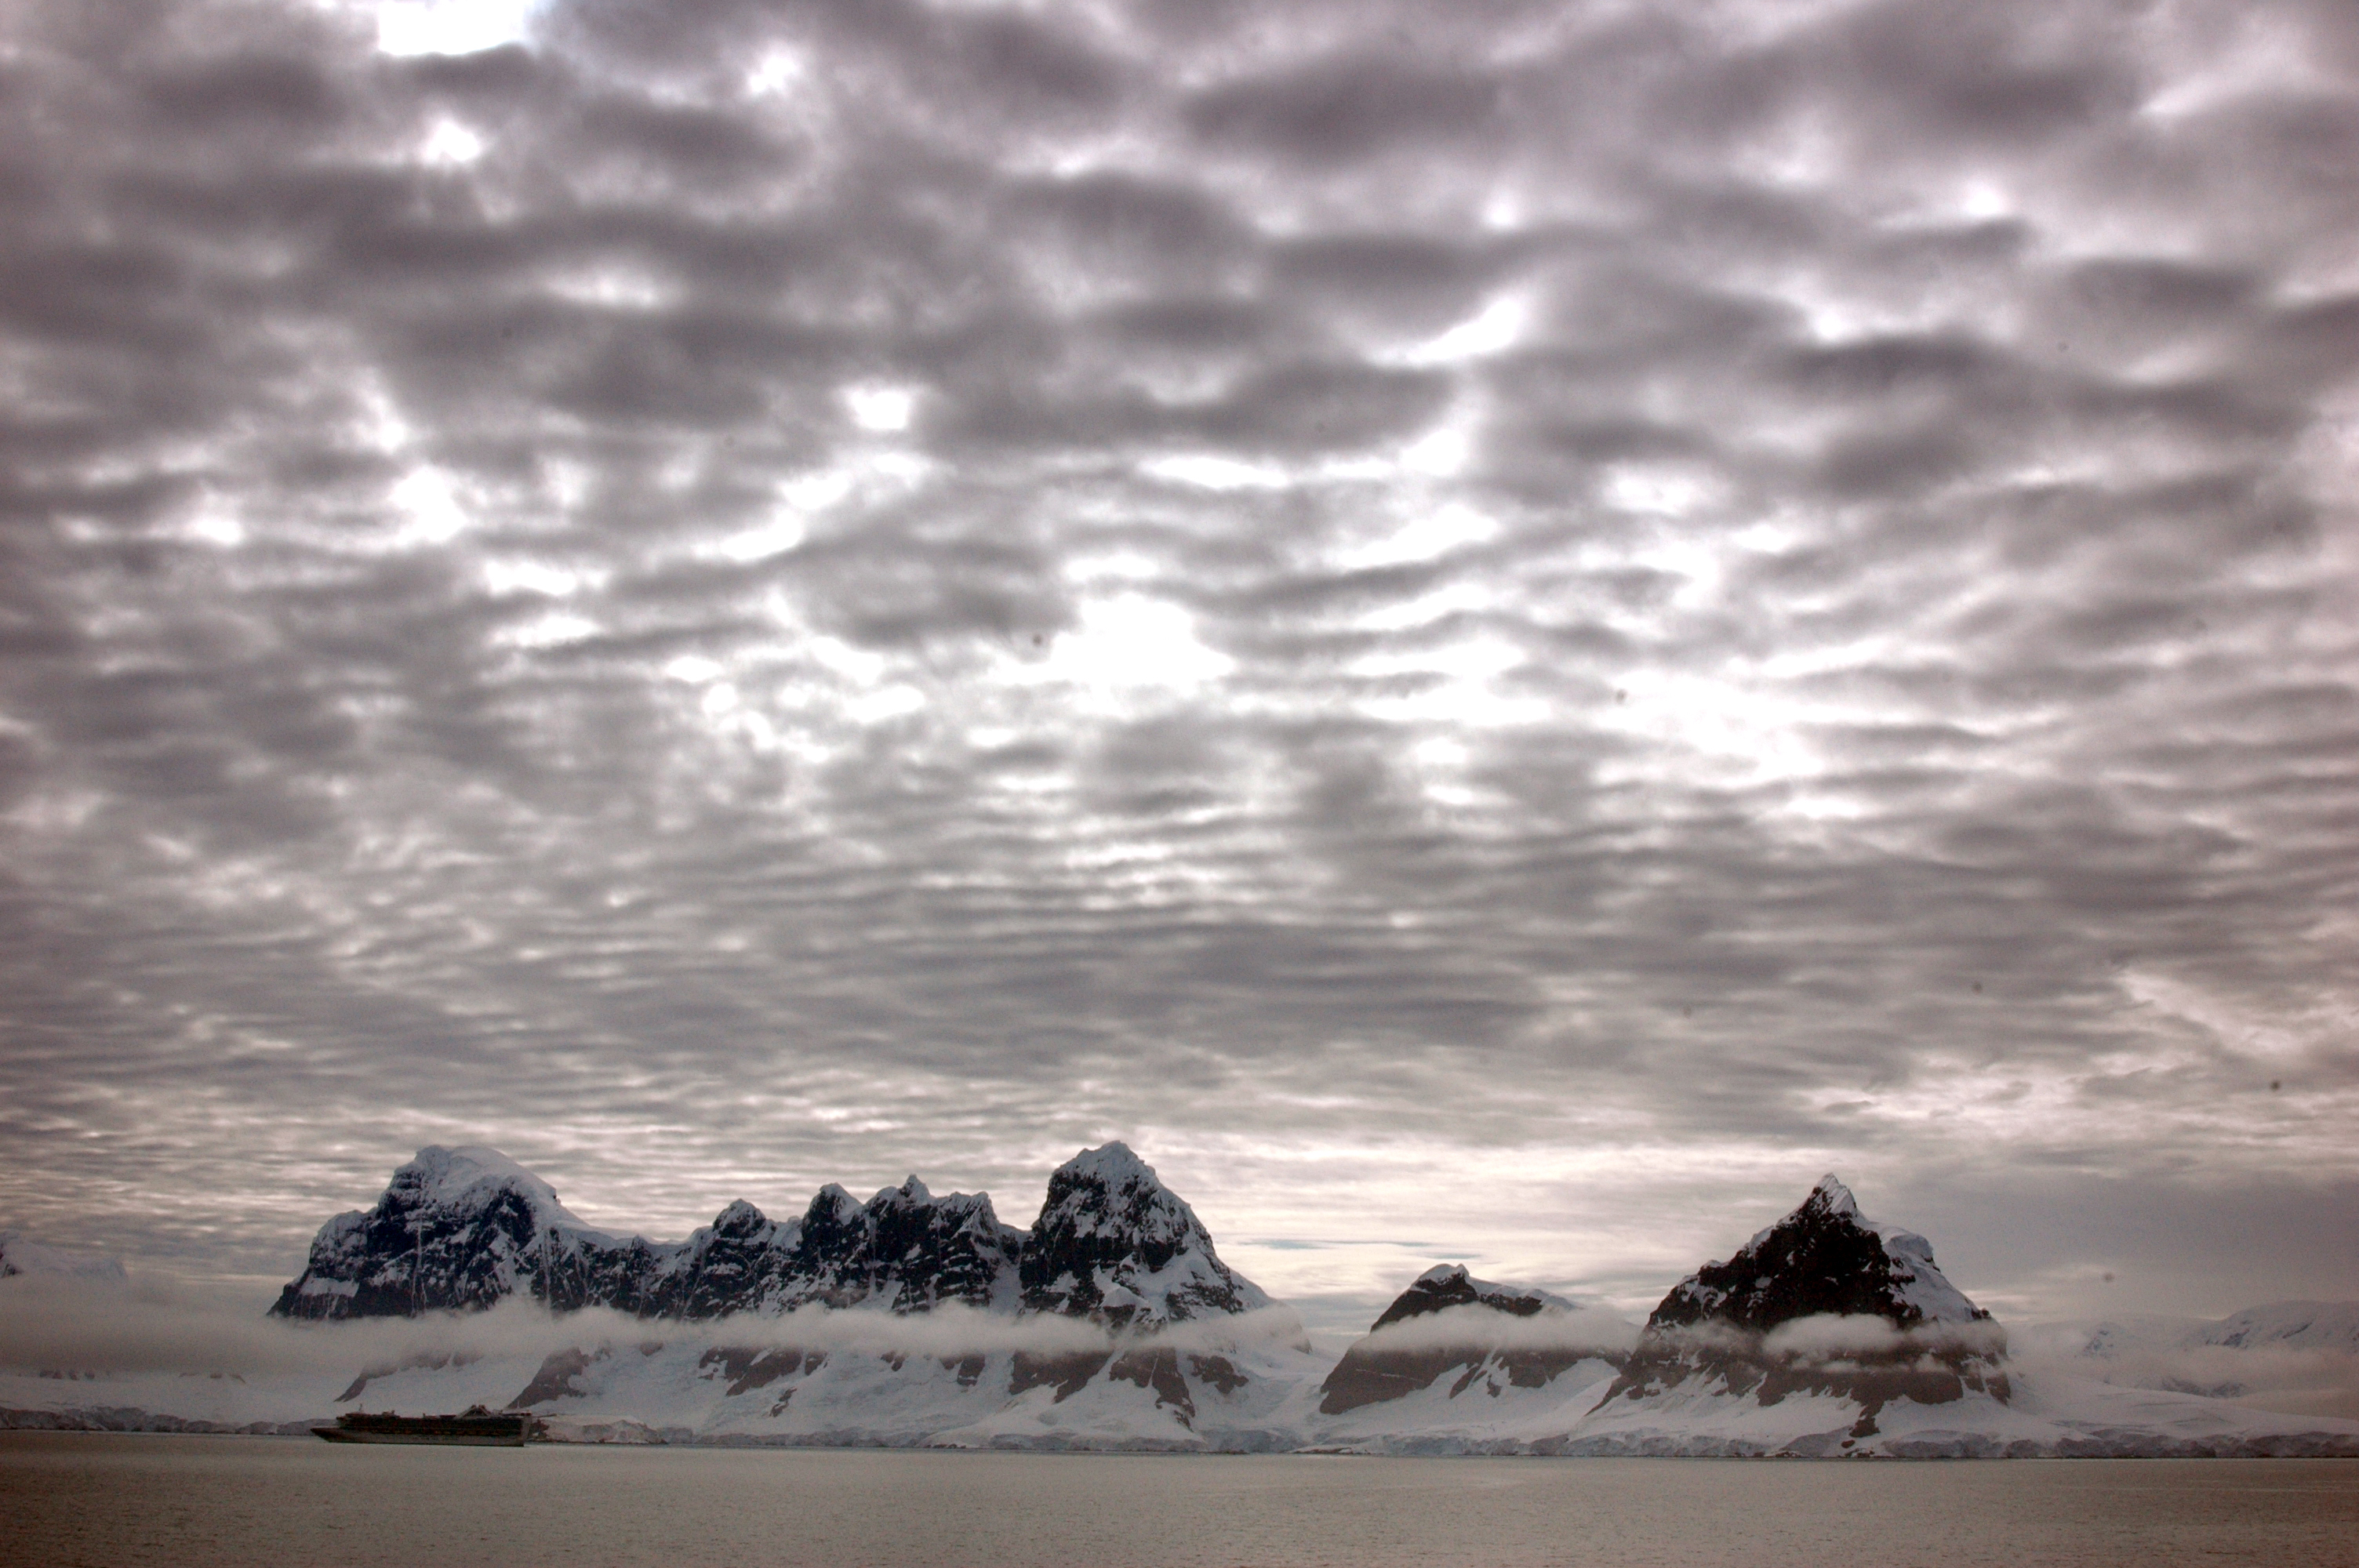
676, 1391
18, 1256
468, 1178
1248, 1381
1242, 1382
2305, 1325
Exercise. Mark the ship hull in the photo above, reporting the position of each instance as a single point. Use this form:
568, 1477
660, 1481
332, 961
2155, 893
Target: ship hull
446, 1439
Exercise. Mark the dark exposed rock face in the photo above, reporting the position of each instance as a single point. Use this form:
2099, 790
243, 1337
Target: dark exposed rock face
459, 1229
1450, 1286
450, 1234
747, 1369
1822, 1257
1068, 1372
1113, 1244
557, 1378
741, 1258
906, 1245
1825, 1259
1390, 1366
1158, 1370
937, 1249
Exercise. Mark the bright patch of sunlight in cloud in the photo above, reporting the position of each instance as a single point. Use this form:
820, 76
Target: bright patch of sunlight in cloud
450, 27
1132, 642
882, 409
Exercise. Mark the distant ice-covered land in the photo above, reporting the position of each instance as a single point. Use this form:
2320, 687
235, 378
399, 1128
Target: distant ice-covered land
1111, 1323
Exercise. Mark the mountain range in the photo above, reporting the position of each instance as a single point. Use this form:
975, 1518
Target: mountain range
461, 1229
1111, 1323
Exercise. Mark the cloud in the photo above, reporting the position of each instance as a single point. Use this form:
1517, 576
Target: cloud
2318, 1380
170, 1325
1524, 626
1833, 1335
1586, 1330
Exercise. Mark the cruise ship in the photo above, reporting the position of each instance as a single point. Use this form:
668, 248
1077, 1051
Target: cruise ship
474, 1426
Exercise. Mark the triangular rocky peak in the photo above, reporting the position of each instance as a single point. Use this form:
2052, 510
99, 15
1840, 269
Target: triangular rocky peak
1826, 1302
1114, 1244
1824, 1257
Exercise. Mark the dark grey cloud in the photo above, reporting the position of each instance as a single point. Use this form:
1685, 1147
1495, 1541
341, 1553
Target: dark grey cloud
1525, 625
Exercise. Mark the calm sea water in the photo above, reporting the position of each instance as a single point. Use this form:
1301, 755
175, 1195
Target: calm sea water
73, 1498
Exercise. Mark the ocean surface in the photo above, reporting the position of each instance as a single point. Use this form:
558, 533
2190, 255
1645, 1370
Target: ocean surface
74, 1498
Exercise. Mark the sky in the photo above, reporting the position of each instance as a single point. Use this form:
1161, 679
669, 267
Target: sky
1498, 632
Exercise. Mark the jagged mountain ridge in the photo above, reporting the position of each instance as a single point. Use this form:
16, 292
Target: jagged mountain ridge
460, 1229
1233, 1383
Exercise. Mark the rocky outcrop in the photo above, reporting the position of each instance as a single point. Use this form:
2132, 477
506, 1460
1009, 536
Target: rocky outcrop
904, 1247
461, 1229
1449, 1321
1824, 1257
1113, 1244
456, 1229
1825, 1302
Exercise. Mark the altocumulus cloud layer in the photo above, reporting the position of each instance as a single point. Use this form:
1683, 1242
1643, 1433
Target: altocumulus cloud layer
1495, 631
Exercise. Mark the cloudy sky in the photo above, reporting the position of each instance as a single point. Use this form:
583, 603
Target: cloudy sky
1497, 630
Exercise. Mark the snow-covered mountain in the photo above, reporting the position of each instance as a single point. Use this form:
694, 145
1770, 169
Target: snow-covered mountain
21, 1257
1826, 1302
461, 1229
456, 1228
1449, 1321
1113, 1323
1824, 1257
2303, 1352
2330, 1328
2292, 1326
1114, 1244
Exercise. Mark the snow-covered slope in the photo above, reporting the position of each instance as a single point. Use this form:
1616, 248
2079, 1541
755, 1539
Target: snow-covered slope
1827, 1305
1449, 1321
2301, 1356
1258, 1394
456, 1228
20, 1257
974, 1380
461, 1229
1113, 1323
2293, 1325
